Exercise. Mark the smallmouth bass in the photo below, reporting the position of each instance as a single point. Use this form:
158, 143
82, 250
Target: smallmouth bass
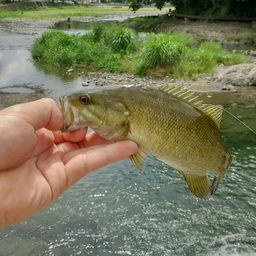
168, 123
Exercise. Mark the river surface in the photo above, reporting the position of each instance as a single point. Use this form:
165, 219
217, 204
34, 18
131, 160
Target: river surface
119, 211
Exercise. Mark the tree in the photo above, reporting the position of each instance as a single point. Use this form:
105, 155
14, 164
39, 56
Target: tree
237, 8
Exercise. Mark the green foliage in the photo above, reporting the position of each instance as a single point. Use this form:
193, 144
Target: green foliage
117, 49
116, 37
135, 5
53, 10
97, 49
55, 47
159, 51
30, 8
163, 50
98, 32
119, 38
239, 8
205, 59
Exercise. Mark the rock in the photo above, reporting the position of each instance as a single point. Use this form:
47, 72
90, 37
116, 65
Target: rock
70, 70
230, 87
253, 53
237, 75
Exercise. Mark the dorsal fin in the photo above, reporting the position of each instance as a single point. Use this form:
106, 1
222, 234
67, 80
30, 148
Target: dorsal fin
213, 111
185, 95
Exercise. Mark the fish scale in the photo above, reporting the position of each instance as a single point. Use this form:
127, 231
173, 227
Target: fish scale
168, 123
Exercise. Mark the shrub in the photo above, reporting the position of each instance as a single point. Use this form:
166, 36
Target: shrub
118, 49
160, 51
98, 32
56, 48
119, 38
30, 8
205, 59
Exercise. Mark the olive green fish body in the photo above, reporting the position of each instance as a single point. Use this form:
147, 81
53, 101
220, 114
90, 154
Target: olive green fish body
180, 133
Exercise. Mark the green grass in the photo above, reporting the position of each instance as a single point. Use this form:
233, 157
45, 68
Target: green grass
61, 50
60, 11
118, 49
162, 50
205, 59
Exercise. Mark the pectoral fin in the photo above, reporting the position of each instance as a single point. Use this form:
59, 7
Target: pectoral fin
199, 185
138, 159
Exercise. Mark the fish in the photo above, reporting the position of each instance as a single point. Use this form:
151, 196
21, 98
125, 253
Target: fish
168, 122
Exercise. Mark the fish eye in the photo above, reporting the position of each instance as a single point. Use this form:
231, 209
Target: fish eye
85, 99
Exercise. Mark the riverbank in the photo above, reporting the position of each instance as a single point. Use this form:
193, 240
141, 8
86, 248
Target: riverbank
209, 90
226, 33
225, 79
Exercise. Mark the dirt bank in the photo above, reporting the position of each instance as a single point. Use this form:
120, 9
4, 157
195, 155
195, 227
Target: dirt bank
210, 92
24, 93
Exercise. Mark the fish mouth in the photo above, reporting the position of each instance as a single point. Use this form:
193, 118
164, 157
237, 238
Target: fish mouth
70, 115
64, 104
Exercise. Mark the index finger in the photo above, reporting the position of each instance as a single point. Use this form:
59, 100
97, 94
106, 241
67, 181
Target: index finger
74, 136
86, 160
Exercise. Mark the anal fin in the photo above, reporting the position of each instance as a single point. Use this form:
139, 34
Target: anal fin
215, 184
199, 185
138, 159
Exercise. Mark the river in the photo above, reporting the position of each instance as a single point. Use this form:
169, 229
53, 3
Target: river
119, 211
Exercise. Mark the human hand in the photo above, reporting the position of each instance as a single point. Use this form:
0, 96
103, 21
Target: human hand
37, 163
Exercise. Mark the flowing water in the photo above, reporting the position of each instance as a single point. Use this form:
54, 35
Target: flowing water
119, 211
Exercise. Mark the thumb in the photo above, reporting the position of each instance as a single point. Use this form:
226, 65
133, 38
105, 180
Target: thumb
44, 113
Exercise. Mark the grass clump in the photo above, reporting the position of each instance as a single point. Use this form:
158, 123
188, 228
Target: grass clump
205, 59
118, 49
163, 50
119, 38
97, 49
55, 48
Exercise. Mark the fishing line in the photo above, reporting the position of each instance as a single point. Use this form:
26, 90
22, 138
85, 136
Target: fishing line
248, 127
180, 91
